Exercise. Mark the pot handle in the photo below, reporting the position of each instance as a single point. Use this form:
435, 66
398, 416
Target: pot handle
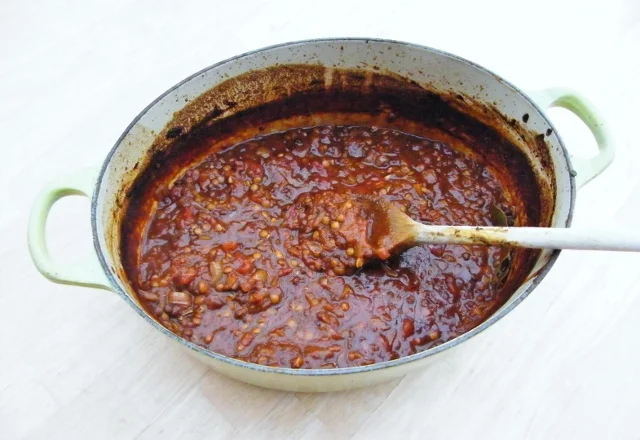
585, 168
88, 273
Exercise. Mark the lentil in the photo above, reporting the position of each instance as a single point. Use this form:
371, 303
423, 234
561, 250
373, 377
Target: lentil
422, 298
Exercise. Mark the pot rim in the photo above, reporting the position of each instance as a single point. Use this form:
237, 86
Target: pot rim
541, 273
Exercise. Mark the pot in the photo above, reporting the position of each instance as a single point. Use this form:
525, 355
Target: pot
494, 100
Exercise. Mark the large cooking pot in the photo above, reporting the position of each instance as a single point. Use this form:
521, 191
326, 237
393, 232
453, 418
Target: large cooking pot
502, 105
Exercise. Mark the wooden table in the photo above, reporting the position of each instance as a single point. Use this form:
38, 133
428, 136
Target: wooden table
80, 364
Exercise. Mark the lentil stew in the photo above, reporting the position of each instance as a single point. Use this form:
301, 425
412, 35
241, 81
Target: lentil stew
249, 246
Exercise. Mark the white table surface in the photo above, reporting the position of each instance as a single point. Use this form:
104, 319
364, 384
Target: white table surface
80, 364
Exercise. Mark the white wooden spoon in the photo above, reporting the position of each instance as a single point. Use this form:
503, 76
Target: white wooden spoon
394, 230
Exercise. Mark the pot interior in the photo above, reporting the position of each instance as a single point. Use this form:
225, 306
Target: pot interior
303, 72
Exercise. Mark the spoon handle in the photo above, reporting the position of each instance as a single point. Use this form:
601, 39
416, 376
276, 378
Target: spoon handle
530, 237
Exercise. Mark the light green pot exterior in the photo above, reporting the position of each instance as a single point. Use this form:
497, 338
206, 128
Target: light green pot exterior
443, 71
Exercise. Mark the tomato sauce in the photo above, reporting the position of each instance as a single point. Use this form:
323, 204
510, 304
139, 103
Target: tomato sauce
234, 256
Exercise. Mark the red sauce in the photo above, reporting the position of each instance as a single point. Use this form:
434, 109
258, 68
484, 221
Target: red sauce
235, 257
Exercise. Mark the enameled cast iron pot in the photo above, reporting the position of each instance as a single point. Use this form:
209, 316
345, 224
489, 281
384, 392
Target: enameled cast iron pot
438, 71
